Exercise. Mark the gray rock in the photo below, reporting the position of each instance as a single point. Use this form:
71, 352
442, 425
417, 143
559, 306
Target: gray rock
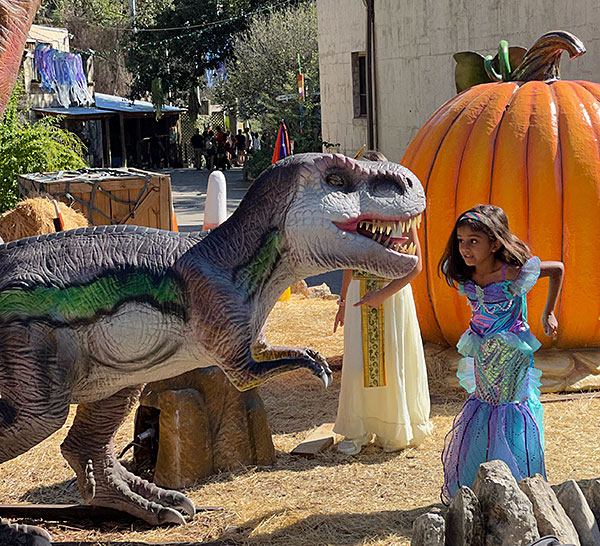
549, 514
464, 520
577, 508
508, 513
321, 291
428, 530
592, 495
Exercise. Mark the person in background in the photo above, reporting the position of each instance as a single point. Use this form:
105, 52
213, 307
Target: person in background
240, 147
197, 142
255, 145
211, 150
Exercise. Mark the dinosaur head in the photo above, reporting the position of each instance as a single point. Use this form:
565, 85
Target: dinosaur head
349, 214
16, 17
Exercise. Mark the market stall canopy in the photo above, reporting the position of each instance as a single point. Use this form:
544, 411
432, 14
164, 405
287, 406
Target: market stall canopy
132, 108
80, 113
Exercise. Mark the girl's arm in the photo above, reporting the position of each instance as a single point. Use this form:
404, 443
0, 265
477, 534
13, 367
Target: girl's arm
377, 297
339, 317
556, 271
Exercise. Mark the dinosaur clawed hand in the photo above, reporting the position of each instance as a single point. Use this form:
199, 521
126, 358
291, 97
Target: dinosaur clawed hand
118, 488
12, 534
325, 374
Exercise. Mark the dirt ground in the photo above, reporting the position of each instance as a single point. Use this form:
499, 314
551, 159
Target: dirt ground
371, 499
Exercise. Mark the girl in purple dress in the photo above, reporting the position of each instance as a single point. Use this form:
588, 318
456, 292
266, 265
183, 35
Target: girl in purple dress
502, 419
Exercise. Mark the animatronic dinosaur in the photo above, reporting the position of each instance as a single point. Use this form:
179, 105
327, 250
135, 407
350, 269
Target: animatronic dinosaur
89, 315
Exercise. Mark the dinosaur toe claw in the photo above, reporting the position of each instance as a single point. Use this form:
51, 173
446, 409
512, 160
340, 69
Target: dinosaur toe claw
42, 534
186, 506
168, 515
325, 378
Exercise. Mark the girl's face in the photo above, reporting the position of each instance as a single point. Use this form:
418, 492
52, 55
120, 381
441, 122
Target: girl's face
475, 247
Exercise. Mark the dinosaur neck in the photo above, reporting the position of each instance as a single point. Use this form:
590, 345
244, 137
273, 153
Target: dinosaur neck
251, 248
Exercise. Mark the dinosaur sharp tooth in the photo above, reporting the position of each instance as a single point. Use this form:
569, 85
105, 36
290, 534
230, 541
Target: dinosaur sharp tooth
419, 218
388, 229
412, 248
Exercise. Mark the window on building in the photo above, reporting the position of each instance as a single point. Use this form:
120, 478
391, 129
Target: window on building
359, 84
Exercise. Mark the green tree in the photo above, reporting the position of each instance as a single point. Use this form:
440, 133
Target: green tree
266, 60
265, 63
32, 147
187, 37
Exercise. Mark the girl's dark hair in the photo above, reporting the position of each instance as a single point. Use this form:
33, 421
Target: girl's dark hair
372, 155
495, 226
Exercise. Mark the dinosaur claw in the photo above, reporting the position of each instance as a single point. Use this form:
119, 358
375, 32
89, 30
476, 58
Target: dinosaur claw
325, 378
188, 507
168, 515
26, 535
44, 535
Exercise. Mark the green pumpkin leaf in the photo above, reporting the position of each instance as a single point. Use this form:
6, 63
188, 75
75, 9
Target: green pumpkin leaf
470, 70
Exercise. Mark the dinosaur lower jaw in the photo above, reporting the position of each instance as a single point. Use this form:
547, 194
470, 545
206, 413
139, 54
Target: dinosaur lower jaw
392, 234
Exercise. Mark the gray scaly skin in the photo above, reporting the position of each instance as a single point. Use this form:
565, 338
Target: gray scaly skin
87, 316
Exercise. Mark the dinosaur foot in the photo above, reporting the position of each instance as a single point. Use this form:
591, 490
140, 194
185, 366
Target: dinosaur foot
12, 534
117, 488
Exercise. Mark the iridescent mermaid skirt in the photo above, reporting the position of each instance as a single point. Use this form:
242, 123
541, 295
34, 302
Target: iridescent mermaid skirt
502, 419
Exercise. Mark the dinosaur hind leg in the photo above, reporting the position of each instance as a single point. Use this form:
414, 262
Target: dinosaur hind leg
33, 405
102, 480
20, 429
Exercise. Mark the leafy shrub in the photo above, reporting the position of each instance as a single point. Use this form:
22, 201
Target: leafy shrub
32, 147
260, 160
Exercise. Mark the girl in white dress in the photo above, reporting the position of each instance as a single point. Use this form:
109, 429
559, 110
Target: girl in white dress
395, 406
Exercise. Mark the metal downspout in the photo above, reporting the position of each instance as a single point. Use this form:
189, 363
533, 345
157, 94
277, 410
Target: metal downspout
371, 62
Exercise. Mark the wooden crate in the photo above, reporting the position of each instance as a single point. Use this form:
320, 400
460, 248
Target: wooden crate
108, 196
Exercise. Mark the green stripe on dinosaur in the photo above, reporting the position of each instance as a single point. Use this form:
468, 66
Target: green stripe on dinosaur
261, 264
83, 302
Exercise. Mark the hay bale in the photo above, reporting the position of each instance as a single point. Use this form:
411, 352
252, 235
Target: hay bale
35, 217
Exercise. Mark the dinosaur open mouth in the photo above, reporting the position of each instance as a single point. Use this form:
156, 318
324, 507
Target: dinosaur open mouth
392, 234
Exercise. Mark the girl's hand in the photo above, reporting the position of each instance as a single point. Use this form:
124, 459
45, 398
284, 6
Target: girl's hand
550, 324
373, 299
339, 318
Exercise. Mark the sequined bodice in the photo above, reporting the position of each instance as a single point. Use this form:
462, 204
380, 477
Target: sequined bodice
496, 309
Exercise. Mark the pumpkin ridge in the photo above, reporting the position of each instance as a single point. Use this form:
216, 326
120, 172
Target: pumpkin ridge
482, 102
580, 197
494, 146
587, 101
425, 241
559, 150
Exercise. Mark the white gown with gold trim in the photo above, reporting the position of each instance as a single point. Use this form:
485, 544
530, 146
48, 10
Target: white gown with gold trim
397, 413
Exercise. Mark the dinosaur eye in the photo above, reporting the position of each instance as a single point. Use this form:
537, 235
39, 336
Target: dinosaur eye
334, 180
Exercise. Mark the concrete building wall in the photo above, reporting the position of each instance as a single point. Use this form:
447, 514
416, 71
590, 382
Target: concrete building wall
415, 41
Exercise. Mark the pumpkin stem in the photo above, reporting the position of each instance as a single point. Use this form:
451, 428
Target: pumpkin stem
542, 60
490, 70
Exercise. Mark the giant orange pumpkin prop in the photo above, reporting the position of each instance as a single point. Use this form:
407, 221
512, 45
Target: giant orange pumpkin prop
531, 146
